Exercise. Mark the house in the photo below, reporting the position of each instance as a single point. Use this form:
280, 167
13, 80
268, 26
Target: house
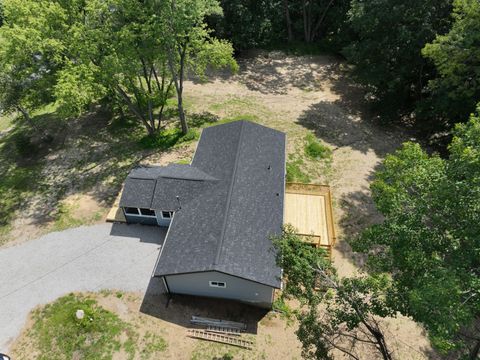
221, 211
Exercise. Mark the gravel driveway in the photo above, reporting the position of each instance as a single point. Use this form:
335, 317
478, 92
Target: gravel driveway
88, 258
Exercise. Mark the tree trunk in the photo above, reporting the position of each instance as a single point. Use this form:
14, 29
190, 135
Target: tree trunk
288, 20
320, 21
27, 117
305, 20
134, 110
178, 80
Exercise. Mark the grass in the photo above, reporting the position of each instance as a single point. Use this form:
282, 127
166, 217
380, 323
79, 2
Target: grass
88, 154
65, 218
315, 150
153, 344
168, 139
205, 350
295, 172
6, 121
58, 334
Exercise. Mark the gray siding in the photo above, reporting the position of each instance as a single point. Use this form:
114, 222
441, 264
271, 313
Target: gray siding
236, 289
160, 220
140, 220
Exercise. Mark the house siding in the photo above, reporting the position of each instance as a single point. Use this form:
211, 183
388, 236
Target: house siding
141, 220
236, 288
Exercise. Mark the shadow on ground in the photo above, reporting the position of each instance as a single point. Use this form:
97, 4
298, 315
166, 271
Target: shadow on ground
145, 233
179, 308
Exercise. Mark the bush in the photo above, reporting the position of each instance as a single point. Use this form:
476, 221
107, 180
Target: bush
191, 135
316, 150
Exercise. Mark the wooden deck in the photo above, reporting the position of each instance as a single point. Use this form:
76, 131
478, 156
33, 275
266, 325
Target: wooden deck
308, 208
116, 214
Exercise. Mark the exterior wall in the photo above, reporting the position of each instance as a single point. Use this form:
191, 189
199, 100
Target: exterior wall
160, 220
236, 288
140, 219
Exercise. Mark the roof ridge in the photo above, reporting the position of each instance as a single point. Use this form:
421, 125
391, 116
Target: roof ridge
229, 198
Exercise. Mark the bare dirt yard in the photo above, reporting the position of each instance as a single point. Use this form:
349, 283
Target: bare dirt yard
148, 318
297, 95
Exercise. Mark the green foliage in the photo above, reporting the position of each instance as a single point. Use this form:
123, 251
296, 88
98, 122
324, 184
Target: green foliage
249, 24
31, 52
117, 51
333, 311
299, 261
456, 56
163, 140
315, 149
429, 239
295, 171
58, 334
153, 345
191, 135
168, 138
387, 49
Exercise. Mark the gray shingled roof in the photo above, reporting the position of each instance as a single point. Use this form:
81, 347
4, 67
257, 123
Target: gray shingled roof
157, 187
227, 226
231, 200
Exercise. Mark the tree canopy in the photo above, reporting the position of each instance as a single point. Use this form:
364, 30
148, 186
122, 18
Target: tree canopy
387, 48
80, 52
335, 313
456, 56
429, 239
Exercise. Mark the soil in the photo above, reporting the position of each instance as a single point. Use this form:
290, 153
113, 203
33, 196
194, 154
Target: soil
170, 323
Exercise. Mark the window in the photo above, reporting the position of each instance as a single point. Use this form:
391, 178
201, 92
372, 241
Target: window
147, 212
167, 214
219, 284
131, 211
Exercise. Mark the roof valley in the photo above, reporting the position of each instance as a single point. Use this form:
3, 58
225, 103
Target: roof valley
229, 198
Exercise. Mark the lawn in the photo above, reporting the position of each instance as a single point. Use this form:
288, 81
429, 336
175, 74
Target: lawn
57, 332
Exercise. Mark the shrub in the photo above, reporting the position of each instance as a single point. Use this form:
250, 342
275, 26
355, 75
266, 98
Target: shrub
316, 150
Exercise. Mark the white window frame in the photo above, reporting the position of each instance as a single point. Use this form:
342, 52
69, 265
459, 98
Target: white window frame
130, 214
139, 213
218, 284
151, 216
166, 211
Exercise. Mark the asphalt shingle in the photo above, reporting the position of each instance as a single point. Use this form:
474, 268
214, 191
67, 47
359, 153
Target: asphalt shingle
228, 203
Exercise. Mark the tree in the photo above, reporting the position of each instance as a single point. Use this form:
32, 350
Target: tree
334, 313
189, 44
249, 23
30, 53
429, 240
85, 51
456, 56
387, 50
118, 51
